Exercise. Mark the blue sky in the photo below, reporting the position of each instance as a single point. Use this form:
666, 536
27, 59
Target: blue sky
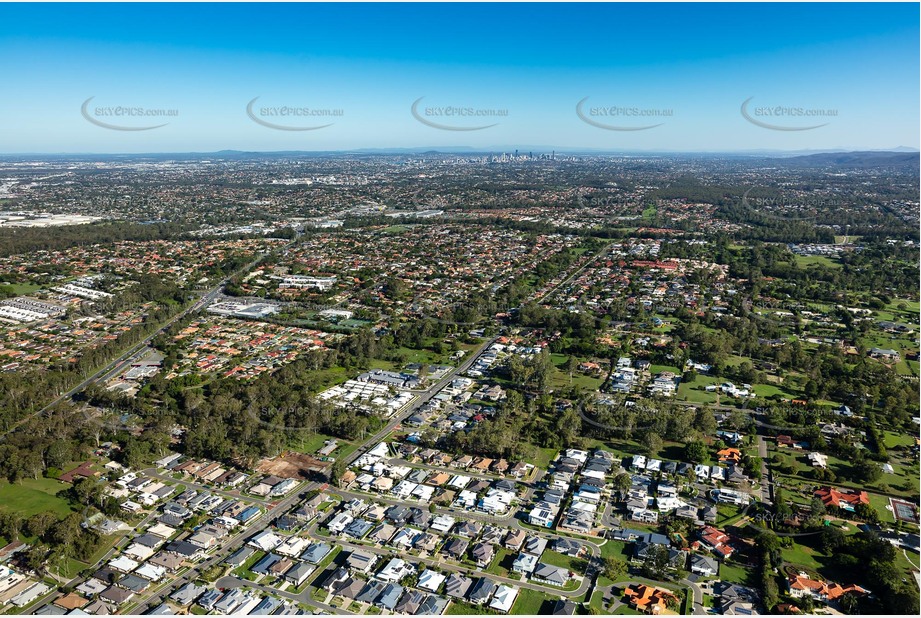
695, 63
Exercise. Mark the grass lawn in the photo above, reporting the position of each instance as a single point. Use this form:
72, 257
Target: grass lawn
501, 564
768, 390
597, 601
383, 364
801, 555
323, 379
557, 559
734, 573
324, 563
243, 569
462, 609
310, 444
31, 496
695, 391
544, 457
893, 439
654, 369
626, 610
905, 563
529, 601
560, 379
726, 514
617, 549
804, 261
880, 503
20, 289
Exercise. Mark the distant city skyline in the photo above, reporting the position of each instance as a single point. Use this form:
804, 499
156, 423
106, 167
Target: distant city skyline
599, 77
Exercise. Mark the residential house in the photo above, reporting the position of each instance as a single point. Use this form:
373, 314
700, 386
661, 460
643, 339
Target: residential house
549, 574
457, 586
648, 599
504, 598
482, 591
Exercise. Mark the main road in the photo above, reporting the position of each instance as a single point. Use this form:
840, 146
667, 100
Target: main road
421, 399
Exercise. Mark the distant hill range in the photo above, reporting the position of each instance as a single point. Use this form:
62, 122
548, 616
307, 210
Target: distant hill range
901, 157
865, 159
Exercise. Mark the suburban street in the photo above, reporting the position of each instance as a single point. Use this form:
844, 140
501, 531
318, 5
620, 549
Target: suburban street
274, 510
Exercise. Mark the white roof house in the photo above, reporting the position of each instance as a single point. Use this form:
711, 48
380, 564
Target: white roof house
668, 503
339, 522
524, 563
818, 460
504, 598
151, 571
265, 540
442, 523
124, 564
395, 570
431, 580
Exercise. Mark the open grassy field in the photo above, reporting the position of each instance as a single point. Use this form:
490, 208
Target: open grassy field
893, 440
464, 609
556, 559
501, 563
734, 573
31, 496
696, 391
309, 444
769, 390
800, 555
560, 377
616, 549
804, 261
19, 289
530, 601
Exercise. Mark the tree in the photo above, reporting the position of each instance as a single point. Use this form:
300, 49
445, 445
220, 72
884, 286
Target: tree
571, 365
34, 558
10, 525
65, 533
866, 513
656, 563
623, 483
868, 471
695, 452
39, 524
673, 603
613, 568
653, 443
336, 471
569, 426
816, 512
704, 421
831, 539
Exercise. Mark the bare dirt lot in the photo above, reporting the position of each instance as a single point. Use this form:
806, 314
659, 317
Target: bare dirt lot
292, 466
